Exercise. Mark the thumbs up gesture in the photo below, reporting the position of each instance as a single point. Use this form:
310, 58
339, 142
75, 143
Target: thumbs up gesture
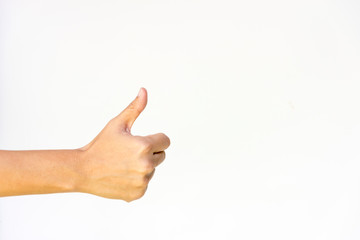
116, 164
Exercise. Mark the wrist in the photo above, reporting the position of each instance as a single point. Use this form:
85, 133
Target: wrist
79, 183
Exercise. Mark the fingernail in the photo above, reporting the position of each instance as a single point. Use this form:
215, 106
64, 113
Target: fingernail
140, 91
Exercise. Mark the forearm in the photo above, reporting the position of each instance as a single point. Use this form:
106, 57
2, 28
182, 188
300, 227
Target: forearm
38, 171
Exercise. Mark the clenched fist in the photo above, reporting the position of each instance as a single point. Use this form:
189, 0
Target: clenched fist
116, 164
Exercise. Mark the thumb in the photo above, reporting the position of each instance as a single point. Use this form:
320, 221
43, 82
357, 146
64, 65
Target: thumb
128, 116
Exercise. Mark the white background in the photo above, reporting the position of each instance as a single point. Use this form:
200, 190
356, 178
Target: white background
260, 100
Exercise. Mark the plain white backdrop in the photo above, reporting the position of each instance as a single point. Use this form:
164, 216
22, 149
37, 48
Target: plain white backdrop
259, 98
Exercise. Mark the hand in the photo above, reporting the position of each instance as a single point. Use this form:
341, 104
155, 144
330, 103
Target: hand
117, 164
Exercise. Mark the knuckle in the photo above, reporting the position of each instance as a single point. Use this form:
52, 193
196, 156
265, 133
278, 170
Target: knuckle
137, 194
141, 181
111, 123
128, 198
133, 107
149, 176
146, 166
145, 146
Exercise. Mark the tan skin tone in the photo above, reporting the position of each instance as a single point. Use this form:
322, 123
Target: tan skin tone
115, 164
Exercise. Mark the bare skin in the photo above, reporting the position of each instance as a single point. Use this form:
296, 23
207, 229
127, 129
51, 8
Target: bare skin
115, 164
